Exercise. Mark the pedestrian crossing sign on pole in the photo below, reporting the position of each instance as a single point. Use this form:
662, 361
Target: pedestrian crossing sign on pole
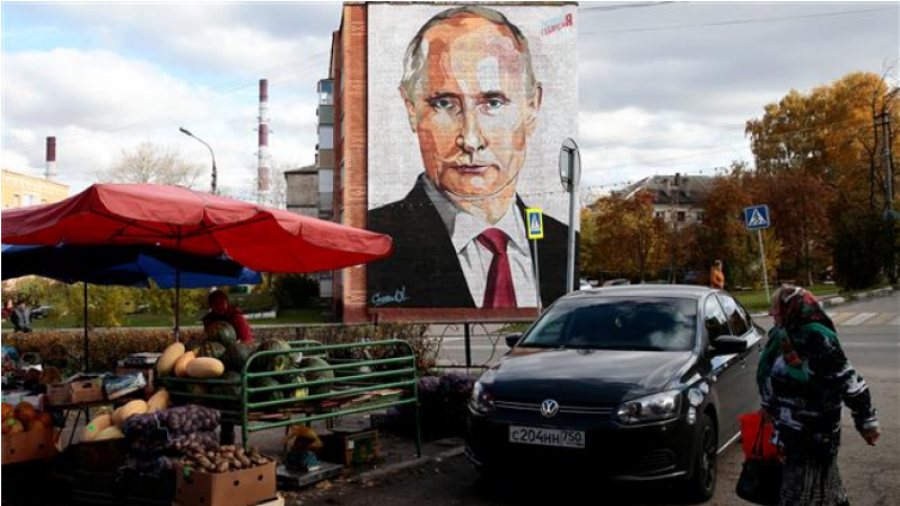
535, 218
757, 217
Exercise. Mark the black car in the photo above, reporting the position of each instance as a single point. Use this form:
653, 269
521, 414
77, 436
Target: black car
641, 382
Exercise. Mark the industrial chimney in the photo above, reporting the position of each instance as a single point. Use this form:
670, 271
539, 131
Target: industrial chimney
263, 171
50, 169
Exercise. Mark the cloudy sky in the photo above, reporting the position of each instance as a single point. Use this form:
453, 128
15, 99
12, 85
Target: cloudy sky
665, 87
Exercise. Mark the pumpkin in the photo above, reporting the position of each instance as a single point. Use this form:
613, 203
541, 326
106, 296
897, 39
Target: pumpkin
167, 360
183, 361
46, 419
8, 410
25, 412
12, 426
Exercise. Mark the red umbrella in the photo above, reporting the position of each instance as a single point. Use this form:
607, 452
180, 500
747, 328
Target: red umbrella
257, 237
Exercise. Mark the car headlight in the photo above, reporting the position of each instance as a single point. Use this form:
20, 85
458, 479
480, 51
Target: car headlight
652, 408
482, 399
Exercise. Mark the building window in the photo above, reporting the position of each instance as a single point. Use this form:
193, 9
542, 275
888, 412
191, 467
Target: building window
681, 215
699, 216
659, 214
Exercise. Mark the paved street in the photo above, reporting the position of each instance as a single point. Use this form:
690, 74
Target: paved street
870, 334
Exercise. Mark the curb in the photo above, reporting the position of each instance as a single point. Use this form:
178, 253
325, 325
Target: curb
837, 300
409, 464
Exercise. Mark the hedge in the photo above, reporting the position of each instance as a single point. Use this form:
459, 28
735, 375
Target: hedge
65, 348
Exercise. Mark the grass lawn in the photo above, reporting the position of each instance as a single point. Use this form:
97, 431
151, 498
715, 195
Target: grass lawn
755, 300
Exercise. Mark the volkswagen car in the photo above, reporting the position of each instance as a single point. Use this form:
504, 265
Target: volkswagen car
638, 383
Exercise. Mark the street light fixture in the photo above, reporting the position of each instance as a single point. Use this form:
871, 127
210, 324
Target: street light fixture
187, 132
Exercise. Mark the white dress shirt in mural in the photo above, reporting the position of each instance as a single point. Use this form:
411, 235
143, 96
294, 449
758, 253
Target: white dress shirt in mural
475, 259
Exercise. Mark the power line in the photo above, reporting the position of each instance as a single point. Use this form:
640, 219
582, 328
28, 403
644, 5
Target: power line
634, 5
741, 21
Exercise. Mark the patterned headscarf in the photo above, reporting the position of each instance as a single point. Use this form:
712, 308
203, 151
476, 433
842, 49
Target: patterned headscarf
799, 307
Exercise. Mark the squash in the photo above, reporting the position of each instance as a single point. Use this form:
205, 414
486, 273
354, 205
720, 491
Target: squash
205, 367
183, 361
109, 433
167, 360
46, 419
93, 428
159, 401
136, 407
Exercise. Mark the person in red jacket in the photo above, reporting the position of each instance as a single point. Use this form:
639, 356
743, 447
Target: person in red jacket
221, 311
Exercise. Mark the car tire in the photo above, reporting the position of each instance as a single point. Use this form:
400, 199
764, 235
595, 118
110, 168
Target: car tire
702, 482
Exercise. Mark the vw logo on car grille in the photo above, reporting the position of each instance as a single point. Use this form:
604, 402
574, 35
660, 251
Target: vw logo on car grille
549, 408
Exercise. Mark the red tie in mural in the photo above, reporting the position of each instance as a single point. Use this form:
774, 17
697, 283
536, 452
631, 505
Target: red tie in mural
499, 292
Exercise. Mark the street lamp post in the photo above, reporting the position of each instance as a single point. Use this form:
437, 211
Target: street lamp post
187, 132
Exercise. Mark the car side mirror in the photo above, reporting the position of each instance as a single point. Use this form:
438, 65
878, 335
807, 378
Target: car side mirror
726, 345
513, 339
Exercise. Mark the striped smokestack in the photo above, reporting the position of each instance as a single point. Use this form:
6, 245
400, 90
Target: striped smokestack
50, 168
263, 172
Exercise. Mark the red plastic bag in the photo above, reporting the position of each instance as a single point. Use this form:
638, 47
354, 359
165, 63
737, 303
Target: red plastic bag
756, 436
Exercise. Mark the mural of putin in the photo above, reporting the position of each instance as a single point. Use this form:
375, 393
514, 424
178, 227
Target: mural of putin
473, 103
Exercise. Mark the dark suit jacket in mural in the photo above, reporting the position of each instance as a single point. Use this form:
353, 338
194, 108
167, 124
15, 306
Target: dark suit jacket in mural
424, 271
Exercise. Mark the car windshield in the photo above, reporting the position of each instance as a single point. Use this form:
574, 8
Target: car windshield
617, 323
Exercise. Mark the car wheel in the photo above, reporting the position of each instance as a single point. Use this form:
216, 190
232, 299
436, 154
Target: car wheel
702, 484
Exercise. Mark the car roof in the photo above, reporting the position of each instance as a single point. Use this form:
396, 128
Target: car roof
688, 291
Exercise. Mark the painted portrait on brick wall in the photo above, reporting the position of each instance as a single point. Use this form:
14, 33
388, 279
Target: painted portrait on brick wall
467, 110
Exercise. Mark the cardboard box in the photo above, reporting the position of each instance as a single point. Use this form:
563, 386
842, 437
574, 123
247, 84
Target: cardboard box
79, 389
99, 456
31, 445
350, 447
247, 487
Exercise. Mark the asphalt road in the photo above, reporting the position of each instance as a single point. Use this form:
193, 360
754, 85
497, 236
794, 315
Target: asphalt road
870, 334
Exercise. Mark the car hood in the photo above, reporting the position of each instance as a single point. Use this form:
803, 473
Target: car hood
585, 377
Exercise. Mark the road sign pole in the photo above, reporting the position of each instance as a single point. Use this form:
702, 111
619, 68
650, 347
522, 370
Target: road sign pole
762, 255
537, 276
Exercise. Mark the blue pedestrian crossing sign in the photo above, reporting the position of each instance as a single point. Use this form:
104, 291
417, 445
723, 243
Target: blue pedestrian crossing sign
535, 219
757, 217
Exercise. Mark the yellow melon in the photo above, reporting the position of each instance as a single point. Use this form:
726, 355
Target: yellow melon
95, 426
159, 401
182, 362
136, 407
205, 367
109, 433
167, 360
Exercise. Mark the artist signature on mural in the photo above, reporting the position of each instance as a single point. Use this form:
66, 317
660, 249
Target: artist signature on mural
557, 24
382, 299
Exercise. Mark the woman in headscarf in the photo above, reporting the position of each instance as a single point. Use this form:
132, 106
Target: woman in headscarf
804, 380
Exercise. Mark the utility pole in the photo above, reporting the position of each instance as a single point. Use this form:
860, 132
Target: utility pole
887, 161
889, 214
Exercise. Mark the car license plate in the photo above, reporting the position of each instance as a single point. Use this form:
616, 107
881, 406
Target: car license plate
546, 437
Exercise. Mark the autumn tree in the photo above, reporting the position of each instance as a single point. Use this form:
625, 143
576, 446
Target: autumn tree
150, 163
624, 235
833, 135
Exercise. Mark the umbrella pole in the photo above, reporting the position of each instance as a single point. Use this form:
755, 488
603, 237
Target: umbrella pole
86, 340
178, 286
177, 303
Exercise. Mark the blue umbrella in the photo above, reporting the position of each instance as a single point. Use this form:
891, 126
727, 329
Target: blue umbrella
123, 265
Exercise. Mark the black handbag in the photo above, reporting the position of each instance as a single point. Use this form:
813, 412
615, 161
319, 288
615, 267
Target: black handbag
760, 481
